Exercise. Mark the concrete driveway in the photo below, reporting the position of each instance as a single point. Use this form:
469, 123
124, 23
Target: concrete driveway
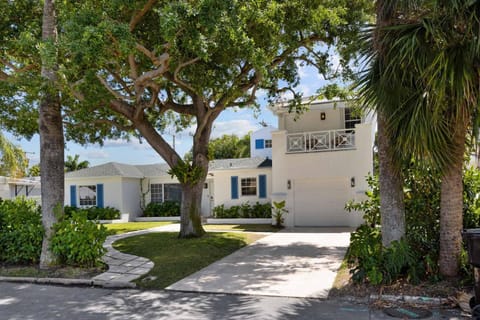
295, 262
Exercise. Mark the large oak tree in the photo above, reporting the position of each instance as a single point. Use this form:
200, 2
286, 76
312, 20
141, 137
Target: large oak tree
135, 66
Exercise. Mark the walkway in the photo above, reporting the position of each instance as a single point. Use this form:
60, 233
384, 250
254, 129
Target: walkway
296, 262
124, 268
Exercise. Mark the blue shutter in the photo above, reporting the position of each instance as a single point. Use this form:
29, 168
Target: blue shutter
234, 185
100, 195
73, 196
259, 144
262, 181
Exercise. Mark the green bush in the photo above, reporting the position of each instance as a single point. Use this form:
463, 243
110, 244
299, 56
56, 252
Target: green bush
94, 213
415, 257
21, 231
164, 209
245, 210
78, 241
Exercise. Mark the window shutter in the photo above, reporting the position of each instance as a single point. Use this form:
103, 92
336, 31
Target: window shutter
234, 185
262, 182
73, 196
100, 195
259, 144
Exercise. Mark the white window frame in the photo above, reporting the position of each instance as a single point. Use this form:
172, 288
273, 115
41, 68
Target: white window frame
246, 186
158, 187
268, 144
86, 201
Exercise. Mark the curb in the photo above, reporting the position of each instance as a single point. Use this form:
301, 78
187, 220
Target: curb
410, 299
72, 282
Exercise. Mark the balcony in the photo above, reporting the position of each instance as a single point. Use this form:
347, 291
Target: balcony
320, 141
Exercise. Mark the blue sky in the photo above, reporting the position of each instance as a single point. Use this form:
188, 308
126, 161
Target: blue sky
238, 122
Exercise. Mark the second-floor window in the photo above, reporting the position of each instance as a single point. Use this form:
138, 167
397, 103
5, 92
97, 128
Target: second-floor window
268, 143
351, 118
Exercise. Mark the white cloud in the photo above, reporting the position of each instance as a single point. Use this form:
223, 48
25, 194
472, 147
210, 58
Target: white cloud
97, 154
237, 127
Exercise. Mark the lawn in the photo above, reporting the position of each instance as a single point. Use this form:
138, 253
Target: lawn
176, 258
241, 227
119, 228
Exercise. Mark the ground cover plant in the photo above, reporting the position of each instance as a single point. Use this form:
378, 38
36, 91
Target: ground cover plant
176, 258
94, 213
163, 209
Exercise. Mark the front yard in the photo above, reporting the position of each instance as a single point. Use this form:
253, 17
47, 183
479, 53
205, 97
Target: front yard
176, 258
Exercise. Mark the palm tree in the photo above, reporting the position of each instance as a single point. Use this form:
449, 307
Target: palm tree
13, 160
428, 85
73, 164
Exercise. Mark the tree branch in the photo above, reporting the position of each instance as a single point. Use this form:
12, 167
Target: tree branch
136, 18
116, 94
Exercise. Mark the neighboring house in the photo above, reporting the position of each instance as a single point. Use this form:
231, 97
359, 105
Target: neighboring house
28, 187
130, 188
261, 142
320, 161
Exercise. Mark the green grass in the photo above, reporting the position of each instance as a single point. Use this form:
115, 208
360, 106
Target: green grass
241, 227
176, 258
119, 228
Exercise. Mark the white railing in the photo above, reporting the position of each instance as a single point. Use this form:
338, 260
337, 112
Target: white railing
318, 141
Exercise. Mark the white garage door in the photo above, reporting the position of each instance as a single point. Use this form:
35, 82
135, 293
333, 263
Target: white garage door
321, 203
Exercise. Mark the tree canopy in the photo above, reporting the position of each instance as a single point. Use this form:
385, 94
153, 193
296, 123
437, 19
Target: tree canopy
73, 163
226, 147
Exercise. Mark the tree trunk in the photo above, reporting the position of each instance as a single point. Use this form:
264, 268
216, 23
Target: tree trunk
190, 220
51, 138
392, 207
451, 209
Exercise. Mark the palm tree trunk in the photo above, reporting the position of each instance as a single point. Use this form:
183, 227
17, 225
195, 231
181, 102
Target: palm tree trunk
392, 208
51, 138
451, 208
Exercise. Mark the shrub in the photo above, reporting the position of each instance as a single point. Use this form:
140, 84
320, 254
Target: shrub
245, 210
164, 209
78, 241
94, 213
21, 231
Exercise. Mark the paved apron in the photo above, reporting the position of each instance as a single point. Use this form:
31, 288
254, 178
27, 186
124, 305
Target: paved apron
296, 262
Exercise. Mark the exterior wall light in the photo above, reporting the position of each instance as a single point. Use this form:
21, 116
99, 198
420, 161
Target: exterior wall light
289, 184
352, 182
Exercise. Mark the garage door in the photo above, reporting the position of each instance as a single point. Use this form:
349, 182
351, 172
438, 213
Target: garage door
321, 203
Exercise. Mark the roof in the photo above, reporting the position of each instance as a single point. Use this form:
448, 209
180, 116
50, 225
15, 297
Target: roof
242, 163
115, 169
109, 169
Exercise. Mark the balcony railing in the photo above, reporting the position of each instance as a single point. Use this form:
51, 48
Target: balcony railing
319, 141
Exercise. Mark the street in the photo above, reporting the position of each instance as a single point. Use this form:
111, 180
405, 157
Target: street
22, 301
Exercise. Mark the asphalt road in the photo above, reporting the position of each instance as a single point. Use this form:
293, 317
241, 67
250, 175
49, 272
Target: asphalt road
20, 301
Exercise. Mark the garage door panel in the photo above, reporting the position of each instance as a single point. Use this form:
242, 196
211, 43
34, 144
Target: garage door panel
321, 203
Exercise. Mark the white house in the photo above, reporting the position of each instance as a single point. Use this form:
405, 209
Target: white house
130, 188
16, 187
320, 162
261, 142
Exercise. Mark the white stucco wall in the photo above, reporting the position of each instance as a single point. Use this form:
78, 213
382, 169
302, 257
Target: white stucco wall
265, 134
222, 186
131, 197
336, 168
112, 190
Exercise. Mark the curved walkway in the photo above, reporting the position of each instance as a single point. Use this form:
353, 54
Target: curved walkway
122, 267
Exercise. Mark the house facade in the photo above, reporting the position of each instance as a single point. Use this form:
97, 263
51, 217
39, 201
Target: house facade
129, 188
320, 161
316, 162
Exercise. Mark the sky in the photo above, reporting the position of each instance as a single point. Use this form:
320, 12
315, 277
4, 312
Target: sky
239, 122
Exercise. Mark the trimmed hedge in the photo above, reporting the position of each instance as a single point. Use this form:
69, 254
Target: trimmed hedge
94, 213
164, 209
245, 210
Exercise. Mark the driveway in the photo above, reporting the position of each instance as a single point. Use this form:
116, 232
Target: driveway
295, 262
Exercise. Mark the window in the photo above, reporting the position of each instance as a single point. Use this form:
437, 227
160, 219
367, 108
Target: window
87, 195
173, 192
351, 118
268, 143
156, 193
249, 186
165, 192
